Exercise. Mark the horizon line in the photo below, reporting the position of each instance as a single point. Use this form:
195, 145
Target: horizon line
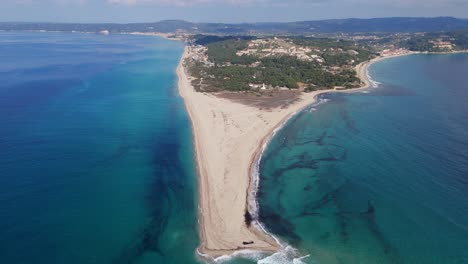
232, 23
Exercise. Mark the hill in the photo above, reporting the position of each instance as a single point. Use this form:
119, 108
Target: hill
352, 25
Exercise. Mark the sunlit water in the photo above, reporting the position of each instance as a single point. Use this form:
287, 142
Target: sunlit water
378, 177
96, 159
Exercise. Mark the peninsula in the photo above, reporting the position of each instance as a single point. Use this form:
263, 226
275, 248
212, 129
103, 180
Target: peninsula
239, 89
229, 131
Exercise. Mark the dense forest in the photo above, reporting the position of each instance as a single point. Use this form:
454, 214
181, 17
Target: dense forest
233, 72
458, 38
363, 52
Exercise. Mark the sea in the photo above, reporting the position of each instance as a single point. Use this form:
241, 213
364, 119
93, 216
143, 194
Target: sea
97, 164
96, 157
379, 176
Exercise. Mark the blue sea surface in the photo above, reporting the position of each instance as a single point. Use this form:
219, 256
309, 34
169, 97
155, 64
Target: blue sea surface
96, 158
376, 177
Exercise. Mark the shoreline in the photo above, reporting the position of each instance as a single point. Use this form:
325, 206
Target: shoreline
203, 250
217, 239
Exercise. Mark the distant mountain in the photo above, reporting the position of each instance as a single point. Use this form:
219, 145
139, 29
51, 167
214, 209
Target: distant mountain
386, 25
352, 25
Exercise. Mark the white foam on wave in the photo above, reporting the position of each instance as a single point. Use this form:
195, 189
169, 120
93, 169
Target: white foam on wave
372, 82
245, 254
287, 254
320, 101
313, 107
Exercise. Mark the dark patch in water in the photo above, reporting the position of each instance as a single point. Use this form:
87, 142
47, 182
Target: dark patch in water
124, 148
330, 196
159, 202
370, 208
284, 139
343, 228
368, 217
391, 90
167, 193
348, 121
319, 141
301, 164
389, 250
279, 225
344, 156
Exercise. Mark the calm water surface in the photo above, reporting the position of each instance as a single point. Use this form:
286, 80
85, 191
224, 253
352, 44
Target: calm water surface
378, 177
96, 158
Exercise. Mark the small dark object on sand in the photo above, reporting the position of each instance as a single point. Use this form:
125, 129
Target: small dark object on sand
248, 218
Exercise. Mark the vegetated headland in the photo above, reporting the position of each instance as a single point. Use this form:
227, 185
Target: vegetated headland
241, 82
239, 89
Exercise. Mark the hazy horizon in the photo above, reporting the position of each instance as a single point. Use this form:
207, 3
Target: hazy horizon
251, 22
222, 11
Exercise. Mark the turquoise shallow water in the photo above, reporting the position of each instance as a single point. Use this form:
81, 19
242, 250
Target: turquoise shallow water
96, 160
377, 177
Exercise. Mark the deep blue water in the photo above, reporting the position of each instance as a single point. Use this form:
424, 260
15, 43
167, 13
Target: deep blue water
377, 177
96, 162
96, 159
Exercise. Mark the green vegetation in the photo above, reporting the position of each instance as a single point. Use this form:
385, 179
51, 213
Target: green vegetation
200, 39
430, 42
382, 25
235, 73
279, 74
420, 44
460, 38
225, 52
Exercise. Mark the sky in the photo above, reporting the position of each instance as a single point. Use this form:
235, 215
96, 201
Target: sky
228, 11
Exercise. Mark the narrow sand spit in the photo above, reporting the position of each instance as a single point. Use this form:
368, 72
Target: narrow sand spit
228, 137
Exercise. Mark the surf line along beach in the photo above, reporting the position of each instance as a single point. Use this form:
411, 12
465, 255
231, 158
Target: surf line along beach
229, 137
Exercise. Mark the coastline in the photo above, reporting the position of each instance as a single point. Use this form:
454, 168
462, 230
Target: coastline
229, 140
211, 225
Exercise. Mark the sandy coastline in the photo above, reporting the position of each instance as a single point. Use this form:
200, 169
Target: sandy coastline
229, 138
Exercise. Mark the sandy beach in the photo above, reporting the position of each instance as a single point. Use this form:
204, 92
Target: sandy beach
228, 138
